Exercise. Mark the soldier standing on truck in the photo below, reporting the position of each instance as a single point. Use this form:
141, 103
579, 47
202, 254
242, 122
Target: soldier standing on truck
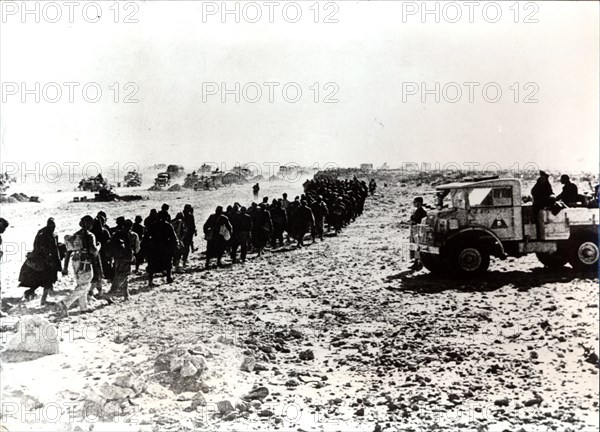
542, 193
415, 219
543, 197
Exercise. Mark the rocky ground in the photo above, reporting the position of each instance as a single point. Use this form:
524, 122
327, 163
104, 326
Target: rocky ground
336, 336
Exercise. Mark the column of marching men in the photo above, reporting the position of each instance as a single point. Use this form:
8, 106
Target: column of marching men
101, 258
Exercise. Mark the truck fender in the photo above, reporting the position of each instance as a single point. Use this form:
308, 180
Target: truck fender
497, 249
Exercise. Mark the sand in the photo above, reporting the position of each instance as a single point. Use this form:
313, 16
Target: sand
393, 350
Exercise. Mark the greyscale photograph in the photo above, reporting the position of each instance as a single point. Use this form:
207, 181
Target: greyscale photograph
304, 216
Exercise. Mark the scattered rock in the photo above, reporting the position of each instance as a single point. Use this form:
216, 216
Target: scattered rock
225, 407
307, 355
259, 393
188, 369
501, 402
231, 416
198, 400
112, 392
248, 364
35, 335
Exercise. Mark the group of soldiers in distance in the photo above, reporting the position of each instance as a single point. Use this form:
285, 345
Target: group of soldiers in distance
99, 253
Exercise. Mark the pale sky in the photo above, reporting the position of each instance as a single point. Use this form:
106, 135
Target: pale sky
370, 54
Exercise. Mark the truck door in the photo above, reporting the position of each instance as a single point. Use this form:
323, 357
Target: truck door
493, 207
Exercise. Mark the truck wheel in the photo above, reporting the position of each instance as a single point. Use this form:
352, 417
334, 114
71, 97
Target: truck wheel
584, 253
471, 260
433, 263
552, 260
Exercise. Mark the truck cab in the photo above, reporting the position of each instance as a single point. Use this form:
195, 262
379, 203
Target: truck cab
483, 218
163, 179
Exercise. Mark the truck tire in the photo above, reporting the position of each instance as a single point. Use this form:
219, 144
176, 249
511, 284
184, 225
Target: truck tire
470, 259
584, 253
433, 263
552, 260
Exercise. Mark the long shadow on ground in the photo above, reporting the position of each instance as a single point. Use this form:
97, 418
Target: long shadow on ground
521, 280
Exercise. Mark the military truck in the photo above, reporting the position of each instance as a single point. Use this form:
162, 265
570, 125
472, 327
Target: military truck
483, 218
133, 179
175, 170
163, 179
93, 184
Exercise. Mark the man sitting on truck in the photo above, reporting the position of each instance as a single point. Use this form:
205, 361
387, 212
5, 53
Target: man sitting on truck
569, 194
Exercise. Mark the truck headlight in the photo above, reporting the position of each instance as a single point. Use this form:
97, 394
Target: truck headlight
453, 224
442, 225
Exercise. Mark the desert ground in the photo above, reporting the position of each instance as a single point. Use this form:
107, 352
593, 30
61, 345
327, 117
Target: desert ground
337, 336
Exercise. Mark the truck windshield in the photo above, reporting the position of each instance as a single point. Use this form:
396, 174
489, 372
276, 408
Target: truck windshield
459, 198
480, 197
455, 198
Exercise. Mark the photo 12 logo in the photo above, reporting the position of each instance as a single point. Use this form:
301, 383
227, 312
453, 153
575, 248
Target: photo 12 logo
71, 92
53, 12
270, 11
470, 92
469, 11
271, 92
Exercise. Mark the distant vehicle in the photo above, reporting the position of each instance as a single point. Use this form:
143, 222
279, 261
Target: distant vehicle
487, 218
175, 170
106, 195
163, 179
191, 180
93, 184
133, 179
214, 181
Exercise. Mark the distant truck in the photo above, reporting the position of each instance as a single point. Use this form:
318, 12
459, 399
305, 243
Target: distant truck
93, 184
133, 179
175, 170
487, 218
163, 179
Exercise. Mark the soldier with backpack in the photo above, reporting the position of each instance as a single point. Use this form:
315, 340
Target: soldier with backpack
83, 249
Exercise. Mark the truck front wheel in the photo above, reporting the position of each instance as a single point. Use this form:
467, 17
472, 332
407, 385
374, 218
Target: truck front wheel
552, 260
433, 263
471, 259
584, 253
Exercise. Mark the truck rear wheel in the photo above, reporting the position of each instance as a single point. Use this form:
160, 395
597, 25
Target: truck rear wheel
470, 259
433, 263
552, 260
584, 253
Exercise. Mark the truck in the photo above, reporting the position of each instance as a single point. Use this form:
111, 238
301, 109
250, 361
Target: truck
163, 179
487, 218
175, 170
133, 179
93, 184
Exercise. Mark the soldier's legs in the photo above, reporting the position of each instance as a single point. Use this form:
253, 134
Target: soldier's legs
45, 294
244, 250
83, 278
186, 250
234, 247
